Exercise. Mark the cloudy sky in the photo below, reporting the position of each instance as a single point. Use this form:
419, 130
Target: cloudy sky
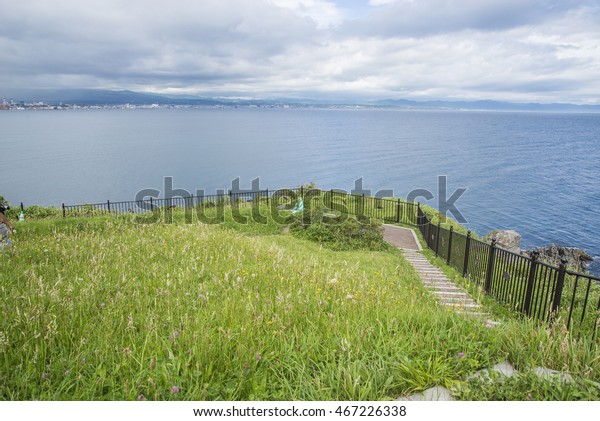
515, 50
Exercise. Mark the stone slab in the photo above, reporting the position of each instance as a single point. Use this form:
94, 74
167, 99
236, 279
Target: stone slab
436, 393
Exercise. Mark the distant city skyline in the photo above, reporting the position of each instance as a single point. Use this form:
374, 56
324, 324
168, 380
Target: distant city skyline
543, 51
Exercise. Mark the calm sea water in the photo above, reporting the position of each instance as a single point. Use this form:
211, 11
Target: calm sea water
535, 173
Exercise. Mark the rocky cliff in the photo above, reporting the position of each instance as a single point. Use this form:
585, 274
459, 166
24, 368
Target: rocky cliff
577, 259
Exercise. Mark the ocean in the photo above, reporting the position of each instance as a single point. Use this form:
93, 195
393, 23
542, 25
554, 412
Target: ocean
536, 173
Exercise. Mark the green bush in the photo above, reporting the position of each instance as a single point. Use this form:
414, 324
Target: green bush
338, 232
40, 212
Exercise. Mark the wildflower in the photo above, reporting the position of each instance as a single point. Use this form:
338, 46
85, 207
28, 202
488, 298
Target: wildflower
258, 357
175, 390
246, 366
141, 397
488, 325
44, 375
332, 280
66, 373
461, 354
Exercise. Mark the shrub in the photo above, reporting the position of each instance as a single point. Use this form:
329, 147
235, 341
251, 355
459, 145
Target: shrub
344, 232
40, 212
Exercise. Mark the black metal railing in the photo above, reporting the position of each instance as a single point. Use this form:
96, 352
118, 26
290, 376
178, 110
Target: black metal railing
536, 289
386, 209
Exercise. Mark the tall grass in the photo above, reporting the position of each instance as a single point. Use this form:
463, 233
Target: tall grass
106, 308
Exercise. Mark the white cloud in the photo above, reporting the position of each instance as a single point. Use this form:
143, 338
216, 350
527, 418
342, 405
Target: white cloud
424, 17
513, 50
382, 2
324, 13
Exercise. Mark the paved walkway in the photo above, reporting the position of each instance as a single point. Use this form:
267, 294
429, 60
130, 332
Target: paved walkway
403, 238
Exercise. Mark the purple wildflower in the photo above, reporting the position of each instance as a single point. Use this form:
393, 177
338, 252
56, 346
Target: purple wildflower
141, 397
175, 390
258, 357
461, 354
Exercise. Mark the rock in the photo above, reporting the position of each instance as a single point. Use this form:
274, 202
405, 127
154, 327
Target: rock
552, 375
577, 259
437, 393
507, 239
503, 368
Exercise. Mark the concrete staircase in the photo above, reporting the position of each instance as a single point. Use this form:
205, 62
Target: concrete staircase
447, 293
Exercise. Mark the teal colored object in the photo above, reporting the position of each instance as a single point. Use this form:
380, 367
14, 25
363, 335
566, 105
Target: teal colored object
299, 207
21, 217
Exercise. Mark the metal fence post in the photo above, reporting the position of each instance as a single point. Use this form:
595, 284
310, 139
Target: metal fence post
530, 282
267, 197
22, 207
562, 270
490, 268
331, 199
467, 250
302, 192
399, 207
108, 205
363, 204
450, 244
64, 211
437, 238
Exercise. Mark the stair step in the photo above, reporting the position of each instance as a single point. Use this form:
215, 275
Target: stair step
455, 294
447, 293
438, 282
441, 284
473, 314
460, 305
433, 276
459, 300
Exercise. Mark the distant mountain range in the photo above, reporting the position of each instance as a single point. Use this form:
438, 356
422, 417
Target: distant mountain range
90, 97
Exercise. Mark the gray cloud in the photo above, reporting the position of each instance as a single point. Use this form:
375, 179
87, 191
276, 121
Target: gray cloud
426, 17
514, 50
141, 39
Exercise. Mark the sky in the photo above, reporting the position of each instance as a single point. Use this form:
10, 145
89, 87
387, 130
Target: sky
511, 50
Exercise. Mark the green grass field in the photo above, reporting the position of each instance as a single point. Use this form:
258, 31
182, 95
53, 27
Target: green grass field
107, 308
